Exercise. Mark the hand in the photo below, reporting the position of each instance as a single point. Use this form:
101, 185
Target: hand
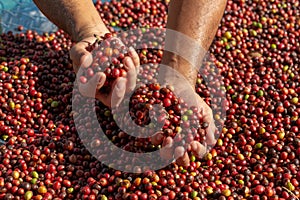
81, 57
184, 89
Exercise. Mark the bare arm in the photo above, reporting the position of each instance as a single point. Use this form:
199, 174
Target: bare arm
78, 18
81, 20
197, 19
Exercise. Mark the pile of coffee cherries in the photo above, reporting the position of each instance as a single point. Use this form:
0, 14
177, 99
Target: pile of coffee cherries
257, 152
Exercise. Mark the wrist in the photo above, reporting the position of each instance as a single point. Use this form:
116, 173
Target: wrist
89, 31
174, 69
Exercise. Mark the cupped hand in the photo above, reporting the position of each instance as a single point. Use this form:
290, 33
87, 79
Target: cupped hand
82, 58
185, 90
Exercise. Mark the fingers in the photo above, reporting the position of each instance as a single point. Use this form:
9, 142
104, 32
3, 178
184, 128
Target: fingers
182, 157
118, 92
157, 138
86, 60
131, 74
207, 115
210, 130
210, 135
115, 97
122, 85
80, 56
75, 54
95, 83
166, 152
78, 60
135, 58
132, 65
198, 149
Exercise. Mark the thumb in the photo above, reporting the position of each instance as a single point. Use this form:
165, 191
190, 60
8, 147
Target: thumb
89, 89
166, 152
80, 58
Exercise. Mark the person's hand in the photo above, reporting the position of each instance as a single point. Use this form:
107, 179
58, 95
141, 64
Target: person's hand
184, 89
82, 58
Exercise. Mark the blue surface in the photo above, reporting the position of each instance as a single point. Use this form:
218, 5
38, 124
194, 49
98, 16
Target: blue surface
23, 12
6, 4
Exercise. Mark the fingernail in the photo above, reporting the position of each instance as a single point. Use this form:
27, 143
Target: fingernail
100, 81
180, 152
169, 145
131, 50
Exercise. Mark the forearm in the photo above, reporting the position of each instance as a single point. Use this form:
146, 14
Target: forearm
78, 18
197, 19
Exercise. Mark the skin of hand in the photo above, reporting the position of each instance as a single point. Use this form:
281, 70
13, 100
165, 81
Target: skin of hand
199, 20
183, 89
81, 21
82, 59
